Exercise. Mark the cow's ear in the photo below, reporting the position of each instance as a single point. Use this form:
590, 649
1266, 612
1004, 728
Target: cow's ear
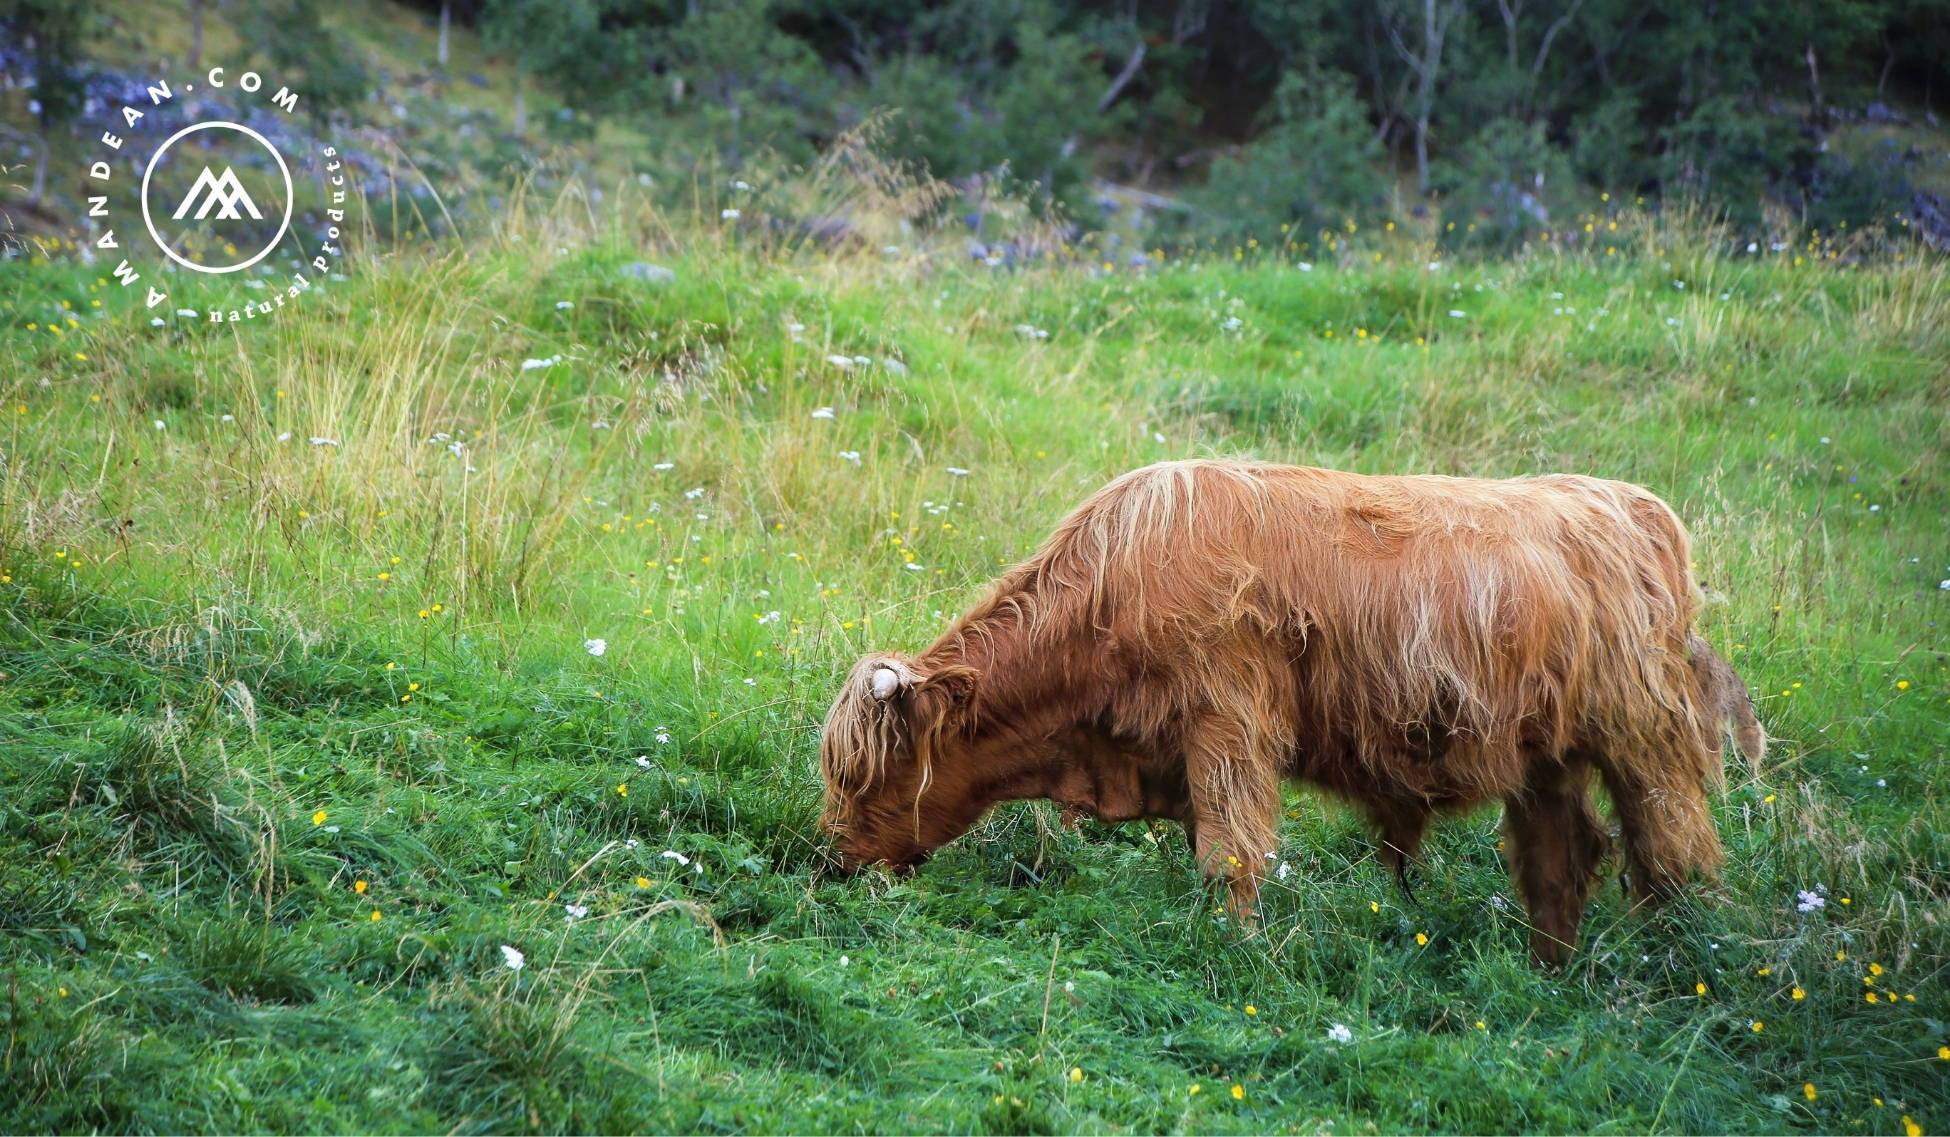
942, 696
956, 683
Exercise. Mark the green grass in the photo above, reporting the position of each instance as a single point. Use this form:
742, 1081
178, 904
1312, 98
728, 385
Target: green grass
216, 717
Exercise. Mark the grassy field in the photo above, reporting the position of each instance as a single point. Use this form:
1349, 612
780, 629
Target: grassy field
488, 603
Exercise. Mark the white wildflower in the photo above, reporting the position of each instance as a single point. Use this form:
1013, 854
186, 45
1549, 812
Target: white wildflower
512, 956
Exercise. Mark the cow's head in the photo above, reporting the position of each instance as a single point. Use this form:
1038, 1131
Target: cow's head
893, 754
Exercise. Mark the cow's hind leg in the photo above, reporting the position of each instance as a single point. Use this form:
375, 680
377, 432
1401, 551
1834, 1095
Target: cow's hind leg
1235, 788
1556, 844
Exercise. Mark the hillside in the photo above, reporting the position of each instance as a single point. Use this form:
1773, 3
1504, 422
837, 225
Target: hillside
408, 706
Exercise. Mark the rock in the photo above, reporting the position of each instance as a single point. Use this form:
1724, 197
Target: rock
649, 273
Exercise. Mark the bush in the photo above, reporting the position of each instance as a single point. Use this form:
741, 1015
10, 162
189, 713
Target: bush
1316, 163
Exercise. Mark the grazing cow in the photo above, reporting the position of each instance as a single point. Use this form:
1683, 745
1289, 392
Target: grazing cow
1197, 630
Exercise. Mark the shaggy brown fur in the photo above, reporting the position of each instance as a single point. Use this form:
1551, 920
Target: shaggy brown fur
1196, 630
1726, 702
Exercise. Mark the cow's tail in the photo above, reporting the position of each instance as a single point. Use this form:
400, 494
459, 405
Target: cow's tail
1725, 699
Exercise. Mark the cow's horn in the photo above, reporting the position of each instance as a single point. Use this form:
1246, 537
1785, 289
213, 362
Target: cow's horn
885, 682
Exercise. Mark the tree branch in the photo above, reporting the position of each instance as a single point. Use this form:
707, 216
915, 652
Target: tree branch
1123, 79
1544, 48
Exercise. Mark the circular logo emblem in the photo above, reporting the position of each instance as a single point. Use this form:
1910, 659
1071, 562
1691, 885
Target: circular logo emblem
237, 192
214, 198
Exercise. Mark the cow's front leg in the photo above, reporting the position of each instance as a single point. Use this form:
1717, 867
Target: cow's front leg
1234, 779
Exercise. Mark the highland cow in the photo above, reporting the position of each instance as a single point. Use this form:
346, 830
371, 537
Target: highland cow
1196, 631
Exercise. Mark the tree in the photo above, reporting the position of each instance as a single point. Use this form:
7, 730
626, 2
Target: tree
755, 85
53, 32
1425, 60
539, 37
196, 35
301, 45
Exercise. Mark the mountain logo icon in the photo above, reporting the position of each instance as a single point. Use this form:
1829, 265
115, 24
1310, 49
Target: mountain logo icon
222, 192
